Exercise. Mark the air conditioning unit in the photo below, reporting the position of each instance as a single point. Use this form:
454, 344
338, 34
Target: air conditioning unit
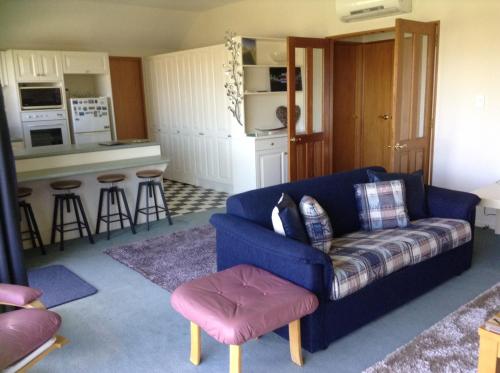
357, 10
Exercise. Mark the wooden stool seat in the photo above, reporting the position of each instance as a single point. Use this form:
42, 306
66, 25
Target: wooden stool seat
24, 192
66, 184
111, 178
148, 174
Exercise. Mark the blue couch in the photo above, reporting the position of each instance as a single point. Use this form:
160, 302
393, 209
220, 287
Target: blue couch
245, 235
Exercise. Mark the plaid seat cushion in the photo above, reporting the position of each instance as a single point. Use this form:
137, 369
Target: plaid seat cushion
362, 257
381, 205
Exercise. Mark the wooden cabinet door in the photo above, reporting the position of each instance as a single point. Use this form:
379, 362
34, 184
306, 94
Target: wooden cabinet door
309, 140
413, 95
85, 62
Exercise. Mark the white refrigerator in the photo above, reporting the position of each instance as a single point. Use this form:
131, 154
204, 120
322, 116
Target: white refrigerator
90, 121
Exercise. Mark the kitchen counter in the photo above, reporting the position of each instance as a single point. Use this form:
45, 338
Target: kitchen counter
92, 168
75, 149
38, 168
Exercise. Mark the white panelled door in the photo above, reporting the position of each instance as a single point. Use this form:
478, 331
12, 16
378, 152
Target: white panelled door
186, 99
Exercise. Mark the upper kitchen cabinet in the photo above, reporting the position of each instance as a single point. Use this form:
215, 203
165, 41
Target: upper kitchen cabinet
85, 63
37, 66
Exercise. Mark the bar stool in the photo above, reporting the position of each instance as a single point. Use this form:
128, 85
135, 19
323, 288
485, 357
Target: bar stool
34, 233
112, 194
150, 186
69, 197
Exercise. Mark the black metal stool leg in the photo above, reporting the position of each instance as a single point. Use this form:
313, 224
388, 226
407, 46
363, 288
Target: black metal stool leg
99, 212
77, 215
132, 225
61, 223
85, 222
165, 205
37, 231
109, 196
138, 202
148, 191
31, 232
154, 198
119, 205
54, 220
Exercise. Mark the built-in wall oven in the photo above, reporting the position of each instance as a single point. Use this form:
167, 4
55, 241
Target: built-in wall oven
45, 128
40, 96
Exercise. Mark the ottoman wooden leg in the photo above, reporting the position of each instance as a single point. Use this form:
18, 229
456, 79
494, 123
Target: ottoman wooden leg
295, 342
195, 344
234, 358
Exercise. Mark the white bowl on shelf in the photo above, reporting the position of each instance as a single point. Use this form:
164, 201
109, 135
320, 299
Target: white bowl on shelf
278, 57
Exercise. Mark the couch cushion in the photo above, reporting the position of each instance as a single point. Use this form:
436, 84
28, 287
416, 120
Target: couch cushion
415, 190
334, 193
18, 295
382, 205
287, 220
23, 331
318, 226
362, 257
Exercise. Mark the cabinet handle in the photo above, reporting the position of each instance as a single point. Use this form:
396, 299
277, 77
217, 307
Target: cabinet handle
229, 136
201, 134
272, 144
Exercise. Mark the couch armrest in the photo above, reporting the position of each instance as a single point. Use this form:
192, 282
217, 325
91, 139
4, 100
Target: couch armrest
240, 241
445, 203
19, 296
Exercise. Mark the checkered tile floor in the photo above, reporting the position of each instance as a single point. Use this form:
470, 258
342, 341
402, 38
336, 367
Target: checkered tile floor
185, 198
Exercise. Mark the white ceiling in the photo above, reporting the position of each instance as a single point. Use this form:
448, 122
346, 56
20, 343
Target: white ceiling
184, 5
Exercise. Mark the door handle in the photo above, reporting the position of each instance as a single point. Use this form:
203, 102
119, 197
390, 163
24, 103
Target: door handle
293, 139
399, 147
385, 116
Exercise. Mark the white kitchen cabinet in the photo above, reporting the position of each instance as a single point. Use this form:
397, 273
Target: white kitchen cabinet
37, 66
4, 79
85, 62
185, 102
270, 168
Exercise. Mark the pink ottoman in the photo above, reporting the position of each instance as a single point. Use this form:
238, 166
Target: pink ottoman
242, 303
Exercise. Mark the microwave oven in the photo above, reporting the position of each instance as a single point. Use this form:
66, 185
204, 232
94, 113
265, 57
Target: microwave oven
40, 97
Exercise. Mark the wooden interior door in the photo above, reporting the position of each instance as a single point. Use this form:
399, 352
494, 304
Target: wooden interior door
347, 93
128, 97
413, 96
376, 115
309, 137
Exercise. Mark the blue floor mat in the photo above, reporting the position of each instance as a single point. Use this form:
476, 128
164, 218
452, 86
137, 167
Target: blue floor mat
59, 285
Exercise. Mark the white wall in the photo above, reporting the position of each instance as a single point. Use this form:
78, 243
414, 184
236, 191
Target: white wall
119, 29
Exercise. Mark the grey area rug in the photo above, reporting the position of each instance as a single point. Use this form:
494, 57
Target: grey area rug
172, 259
451, 345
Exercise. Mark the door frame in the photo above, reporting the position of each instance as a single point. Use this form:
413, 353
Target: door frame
434, 88
143, 98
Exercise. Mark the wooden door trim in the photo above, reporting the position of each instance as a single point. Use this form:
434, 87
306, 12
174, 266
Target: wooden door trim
361, 33
437, 25
141, 78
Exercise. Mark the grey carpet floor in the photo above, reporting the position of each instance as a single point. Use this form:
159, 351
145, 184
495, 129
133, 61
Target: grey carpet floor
451, 345
129, 326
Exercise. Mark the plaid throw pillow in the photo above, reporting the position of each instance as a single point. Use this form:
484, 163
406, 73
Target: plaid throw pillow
318, 226
382, 205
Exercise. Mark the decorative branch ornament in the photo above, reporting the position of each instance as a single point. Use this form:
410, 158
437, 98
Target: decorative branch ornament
234, 84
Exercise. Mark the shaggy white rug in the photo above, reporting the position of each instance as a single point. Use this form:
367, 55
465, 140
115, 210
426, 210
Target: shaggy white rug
451, 345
